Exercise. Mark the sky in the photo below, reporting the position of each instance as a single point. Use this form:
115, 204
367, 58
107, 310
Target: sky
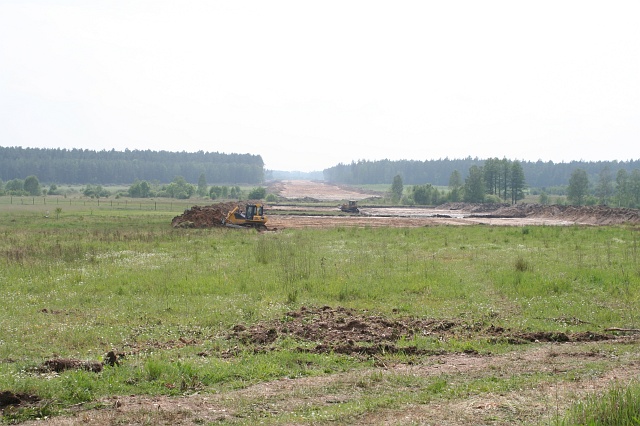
310, 84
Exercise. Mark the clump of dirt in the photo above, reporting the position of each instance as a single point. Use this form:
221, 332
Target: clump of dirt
347, 331
8, 398
203, 216
58, 365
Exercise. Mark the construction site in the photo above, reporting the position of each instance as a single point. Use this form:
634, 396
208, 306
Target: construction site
304, 205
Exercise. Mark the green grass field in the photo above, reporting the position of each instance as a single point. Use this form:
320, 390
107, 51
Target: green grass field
88, 280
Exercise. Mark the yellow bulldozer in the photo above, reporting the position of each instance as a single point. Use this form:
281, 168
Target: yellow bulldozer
252, 217
351, 207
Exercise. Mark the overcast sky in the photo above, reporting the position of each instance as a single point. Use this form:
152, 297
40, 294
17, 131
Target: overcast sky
310, 84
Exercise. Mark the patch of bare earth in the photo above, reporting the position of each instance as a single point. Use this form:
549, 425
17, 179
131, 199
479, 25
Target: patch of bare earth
319, 191
565, 368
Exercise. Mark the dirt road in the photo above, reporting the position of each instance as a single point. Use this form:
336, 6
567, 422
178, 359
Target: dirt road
321, 191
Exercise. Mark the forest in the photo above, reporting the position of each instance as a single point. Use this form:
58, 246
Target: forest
539, 174
83, 166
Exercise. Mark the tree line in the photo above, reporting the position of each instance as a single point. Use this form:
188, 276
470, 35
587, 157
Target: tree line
623, 190
539, 174
178, 188
81, 166
496, 181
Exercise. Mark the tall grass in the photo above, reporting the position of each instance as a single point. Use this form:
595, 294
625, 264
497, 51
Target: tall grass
619, 406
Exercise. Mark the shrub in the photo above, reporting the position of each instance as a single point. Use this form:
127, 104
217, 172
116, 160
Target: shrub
257, 193
522, 265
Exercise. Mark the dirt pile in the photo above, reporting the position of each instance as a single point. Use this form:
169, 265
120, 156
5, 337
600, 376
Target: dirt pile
596, 215
203, 216
347, 331
8, 398
58, 365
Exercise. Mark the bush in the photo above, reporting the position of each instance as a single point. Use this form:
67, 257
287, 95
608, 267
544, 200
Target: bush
179, 188
522, 265
53, 190
140, 189
32, 185
95, 191
257, 193
271, 198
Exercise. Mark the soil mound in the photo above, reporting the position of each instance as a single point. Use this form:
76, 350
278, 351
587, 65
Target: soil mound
595, 215
203, 216
8, 398
58, 365
591, 215
347, 331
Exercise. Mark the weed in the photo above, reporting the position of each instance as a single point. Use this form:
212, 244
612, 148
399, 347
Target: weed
522, 265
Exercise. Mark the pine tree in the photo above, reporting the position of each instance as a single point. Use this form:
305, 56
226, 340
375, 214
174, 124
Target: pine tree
578, 187
397, 188
474, 185
517, 182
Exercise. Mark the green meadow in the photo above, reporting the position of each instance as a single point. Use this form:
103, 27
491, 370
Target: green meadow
88, 280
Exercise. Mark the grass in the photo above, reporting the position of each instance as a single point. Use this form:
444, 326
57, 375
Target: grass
104, 278
620, 405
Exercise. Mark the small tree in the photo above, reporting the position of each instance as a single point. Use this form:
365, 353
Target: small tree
95, 191
140, 189
634, 188
215, 192
544, 198
202, 185
58, 211
578, 187
474, 185
257, 193
397, 188
455, 186
15, 187
32, 185
235, 192
623, 193
604, 189
517, 182
180, 188
424, 194
53, 190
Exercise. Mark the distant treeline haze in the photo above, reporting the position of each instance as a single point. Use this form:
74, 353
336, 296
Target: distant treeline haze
538, 174
82, 166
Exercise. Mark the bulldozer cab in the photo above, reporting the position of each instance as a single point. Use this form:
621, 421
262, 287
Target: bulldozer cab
253, 210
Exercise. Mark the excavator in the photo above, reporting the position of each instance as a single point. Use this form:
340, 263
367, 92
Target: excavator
253, 217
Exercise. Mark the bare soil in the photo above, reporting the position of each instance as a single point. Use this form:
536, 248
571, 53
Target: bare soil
306, 190
349, 332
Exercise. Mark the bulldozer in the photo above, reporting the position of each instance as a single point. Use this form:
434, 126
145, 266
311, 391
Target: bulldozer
351, 207
253, 217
